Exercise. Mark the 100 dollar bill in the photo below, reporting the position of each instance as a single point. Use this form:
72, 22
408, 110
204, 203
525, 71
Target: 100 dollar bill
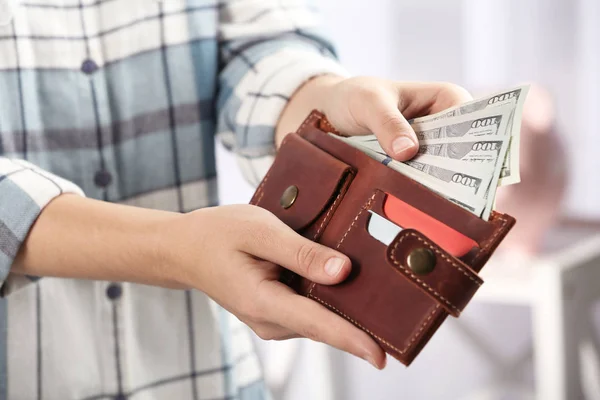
463, 188
510, 170
443, 185
456, 173
479, 137
442, 137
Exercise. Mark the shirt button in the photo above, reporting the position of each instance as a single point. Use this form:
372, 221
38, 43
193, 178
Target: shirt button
89, 66
102, 178
114, 291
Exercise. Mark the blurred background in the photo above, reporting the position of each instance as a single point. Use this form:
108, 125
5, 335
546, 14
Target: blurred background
531, 332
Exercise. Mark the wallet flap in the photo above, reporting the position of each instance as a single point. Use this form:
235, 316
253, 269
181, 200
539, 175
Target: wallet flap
300, 184
450, 282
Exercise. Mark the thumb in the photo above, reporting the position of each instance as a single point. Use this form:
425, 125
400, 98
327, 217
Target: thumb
394, 133
279, 244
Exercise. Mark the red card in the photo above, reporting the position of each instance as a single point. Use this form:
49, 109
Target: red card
409, 217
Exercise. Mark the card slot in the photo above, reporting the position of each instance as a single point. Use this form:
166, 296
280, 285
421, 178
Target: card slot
408, 216
435, 206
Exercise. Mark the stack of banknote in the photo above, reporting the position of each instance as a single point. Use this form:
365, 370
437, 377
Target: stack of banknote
465, 152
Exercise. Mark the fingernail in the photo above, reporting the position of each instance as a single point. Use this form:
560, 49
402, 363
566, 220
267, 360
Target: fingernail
334, 266
371, 361
401, 144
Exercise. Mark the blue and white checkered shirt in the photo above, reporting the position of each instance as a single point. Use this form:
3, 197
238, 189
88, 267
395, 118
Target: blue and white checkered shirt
121, 100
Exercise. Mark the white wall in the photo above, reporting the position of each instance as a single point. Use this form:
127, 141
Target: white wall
487, 43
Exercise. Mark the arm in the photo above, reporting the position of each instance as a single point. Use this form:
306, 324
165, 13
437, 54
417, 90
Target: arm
76, 237
231, 253
25, 190
268, 50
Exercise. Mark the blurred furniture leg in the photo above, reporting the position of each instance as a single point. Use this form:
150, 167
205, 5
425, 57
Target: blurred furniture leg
279, 360
561, 286
566, 287
320, 371
590, 360
556, 319
301, 360
506, 372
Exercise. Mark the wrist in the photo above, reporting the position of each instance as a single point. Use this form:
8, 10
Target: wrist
188, 243
312, 95
155, 239
169, 248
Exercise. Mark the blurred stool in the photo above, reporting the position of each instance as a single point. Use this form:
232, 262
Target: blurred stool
561, 286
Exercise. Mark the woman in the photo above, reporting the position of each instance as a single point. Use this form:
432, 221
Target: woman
109, 110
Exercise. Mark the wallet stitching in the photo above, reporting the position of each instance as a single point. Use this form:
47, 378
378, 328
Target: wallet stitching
363, 208
307, 121
260, 190
353, 224
489, 242
327, 124
424, 284
437, 251
414, 337
327, 215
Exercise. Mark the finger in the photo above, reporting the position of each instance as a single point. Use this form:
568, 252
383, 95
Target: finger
276, 242
269, 331
417, 99
386, 117
313, 321
394, 133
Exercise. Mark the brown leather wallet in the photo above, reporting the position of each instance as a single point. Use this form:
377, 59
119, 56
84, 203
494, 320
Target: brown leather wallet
323, 188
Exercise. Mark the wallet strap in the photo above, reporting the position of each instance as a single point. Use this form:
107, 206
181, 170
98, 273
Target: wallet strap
449, 281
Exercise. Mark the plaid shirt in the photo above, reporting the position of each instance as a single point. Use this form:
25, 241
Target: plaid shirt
121, 100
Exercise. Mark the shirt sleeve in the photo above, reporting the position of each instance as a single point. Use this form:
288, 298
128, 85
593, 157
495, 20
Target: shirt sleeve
24, 192
268, 50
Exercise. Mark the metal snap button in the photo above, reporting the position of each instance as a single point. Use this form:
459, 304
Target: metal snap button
421, 261
289, 196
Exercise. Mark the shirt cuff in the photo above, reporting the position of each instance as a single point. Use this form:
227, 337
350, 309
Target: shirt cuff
24, 192
264, 91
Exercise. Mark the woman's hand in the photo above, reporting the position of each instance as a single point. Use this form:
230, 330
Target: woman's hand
365, 105
232, 254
